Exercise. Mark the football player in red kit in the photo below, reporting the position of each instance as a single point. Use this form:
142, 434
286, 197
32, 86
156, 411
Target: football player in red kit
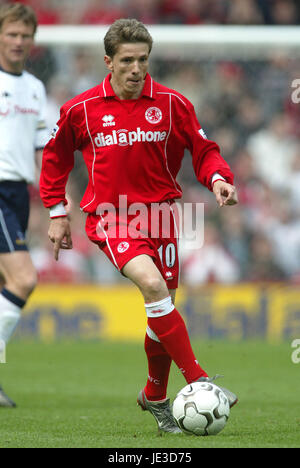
132, 133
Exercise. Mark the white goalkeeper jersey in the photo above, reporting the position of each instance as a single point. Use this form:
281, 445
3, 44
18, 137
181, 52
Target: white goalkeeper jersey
22, 125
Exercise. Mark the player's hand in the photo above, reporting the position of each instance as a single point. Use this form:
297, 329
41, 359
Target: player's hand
60, 234
225, 193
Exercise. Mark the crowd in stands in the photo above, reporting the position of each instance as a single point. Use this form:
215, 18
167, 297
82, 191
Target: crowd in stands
168, 11
245, 105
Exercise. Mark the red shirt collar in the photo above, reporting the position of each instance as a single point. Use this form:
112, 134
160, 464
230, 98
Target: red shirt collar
107, 91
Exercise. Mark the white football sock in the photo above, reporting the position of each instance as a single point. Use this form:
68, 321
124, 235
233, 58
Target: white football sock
10, 315
159, 308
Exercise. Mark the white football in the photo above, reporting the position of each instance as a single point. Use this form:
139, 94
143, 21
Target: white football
201, 408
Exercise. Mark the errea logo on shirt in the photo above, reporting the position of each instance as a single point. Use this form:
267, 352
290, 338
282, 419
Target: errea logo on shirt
108, 121
124, 138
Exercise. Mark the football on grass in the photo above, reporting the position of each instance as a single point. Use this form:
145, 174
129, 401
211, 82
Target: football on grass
201, 409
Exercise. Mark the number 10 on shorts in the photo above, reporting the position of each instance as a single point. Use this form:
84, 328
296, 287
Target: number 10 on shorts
2, 352
167, 257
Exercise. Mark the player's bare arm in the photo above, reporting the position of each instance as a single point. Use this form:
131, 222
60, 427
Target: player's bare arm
225, 193
60, 235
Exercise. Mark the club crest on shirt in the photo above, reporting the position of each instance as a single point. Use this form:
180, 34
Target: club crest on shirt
122, 247
54, 131
4, 105
153, 115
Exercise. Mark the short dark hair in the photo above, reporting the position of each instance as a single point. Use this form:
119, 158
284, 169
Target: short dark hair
12, 12
124, 31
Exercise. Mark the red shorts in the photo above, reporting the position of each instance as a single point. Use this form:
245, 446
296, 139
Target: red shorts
153, 232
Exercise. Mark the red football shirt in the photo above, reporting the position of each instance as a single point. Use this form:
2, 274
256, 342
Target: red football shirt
132, 148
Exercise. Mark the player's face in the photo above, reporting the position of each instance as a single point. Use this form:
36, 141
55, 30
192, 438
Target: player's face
16, 40
129, 67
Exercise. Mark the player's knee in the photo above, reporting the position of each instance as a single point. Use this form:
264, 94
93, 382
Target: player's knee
30, 282
153, 288
24, 283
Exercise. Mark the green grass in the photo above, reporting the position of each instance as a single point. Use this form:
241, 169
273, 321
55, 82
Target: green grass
83, 394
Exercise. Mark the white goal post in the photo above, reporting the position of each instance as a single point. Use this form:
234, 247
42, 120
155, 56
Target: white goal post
254, 41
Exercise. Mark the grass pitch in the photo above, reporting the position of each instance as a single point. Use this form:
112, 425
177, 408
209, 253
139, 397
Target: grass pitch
83, 394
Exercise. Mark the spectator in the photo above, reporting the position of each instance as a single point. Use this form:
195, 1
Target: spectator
294, 182
146, 11
262, 266
283, 231
210, 264
169, 12
46, 12
84, 72
272, 150
247, 180
188, 80
273, 81
102, 12
236, 238
245, 12
249, 118
285, 12
249, 12
70, 11
192, 11
58, 93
